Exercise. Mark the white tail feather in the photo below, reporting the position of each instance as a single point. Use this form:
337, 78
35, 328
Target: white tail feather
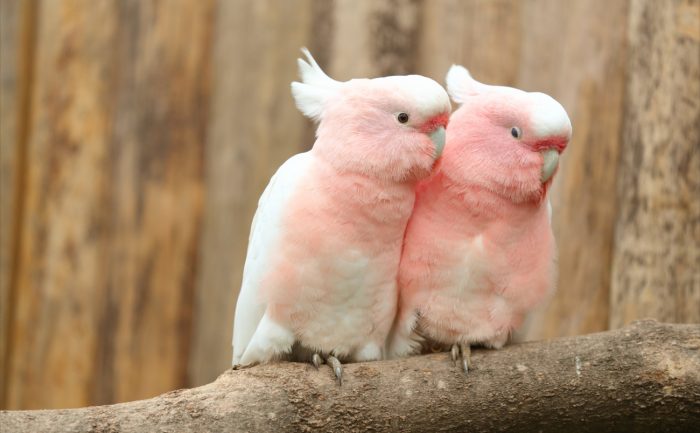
315, 87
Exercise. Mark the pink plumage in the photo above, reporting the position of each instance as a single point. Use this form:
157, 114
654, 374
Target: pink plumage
479, 252
324, 249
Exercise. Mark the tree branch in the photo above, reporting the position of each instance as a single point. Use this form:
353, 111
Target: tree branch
644, 377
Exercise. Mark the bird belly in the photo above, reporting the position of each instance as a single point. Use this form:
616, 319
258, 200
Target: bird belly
343, 301
464, 304
333, 280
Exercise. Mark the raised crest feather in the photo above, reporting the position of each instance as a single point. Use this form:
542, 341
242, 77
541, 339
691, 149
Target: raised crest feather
314, 89
461, 85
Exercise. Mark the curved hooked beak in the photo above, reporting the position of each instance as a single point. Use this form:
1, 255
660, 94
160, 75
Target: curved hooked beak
551, 149
551, 161
438, 138
435, 128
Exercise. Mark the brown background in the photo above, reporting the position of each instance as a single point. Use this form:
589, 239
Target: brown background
137, 136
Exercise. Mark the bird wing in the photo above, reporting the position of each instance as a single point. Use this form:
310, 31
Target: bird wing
264, 235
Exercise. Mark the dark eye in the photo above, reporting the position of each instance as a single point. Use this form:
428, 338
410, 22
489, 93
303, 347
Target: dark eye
516, 132
402, 117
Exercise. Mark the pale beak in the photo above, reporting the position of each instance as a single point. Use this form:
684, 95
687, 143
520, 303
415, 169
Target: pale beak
551, 161
438, 138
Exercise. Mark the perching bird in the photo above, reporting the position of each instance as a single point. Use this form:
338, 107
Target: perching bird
325, 243
479, 252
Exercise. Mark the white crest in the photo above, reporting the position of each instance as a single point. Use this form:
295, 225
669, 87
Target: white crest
461, 85
315, 88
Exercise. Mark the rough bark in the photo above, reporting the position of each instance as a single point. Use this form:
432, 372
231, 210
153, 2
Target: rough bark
656, 266
645, 377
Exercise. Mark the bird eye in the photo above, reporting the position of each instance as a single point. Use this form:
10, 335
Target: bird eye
516, 132
402, 117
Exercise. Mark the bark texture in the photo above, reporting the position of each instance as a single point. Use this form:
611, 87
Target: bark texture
656, 266
645, 377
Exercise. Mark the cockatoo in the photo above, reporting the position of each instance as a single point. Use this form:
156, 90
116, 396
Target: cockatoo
325, 243
479, 252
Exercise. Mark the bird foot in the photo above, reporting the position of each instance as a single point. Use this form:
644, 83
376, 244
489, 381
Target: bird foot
316, 360
462, 353
337, 368
332, 362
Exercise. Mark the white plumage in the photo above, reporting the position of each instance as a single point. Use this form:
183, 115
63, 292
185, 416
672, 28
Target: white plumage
264, 233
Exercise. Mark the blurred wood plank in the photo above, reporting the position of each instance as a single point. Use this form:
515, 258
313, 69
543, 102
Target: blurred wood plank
253, 128
374, 39
483, 36
10, 18
114, 198
17, 25
575, 51
53, 331
157, 147
656, 271
9, 28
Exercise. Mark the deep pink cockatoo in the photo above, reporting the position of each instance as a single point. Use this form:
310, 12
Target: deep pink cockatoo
325, 243
479, 252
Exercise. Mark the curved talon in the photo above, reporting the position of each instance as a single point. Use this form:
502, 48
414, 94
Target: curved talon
454, 352
466, 356
337, 368
316, 360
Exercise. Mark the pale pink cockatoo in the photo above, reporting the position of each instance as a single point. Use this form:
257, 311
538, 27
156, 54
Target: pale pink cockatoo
325, 243
479, 252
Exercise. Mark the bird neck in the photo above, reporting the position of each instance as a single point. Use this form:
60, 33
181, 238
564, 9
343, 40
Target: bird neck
479, 203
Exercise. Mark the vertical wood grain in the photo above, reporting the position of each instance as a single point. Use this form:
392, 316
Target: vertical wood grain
483, 36
113, 202
253, 128
17, 26
656, 271
9, 29
157, 192
9, 94
575, 52
375, 38
57, 289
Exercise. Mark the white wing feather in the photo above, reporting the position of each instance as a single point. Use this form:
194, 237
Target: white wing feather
264, 234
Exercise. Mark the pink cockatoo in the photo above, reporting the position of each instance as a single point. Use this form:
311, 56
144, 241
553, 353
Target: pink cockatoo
325, 243
479, 252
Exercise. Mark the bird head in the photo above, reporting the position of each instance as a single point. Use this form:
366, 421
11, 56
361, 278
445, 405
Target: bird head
503, 139
391, 128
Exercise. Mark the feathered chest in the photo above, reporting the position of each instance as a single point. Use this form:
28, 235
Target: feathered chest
352, 208
514, 259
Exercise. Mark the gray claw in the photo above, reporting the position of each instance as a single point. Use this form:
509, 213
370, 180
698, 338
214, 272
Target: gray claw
337, 368
316, 360
454, 353
466, 356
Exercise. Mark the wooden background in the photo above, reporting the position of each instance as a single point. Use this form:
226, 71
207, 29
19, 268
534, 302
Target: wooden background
137, 136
